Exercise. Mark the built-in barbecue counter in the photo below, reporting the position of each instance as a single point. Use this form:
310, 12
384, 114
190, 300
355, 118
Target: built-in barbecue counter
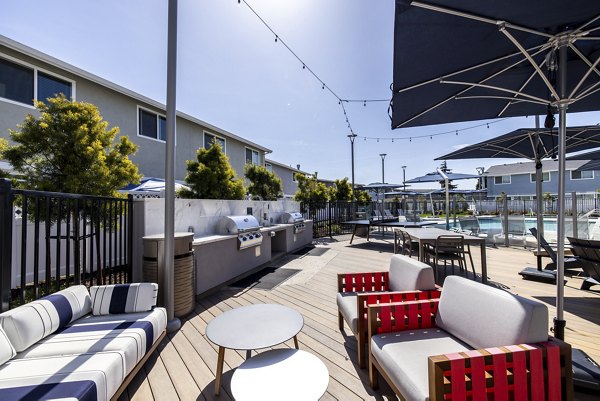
222, 259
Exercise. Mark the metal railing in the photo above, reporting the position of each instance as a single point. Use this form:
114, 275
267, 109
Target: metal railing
49, 241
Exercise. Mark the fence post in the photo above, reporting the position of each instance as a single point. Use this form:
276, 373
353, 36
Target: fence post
129, 238
329, 218
505, 221
6, 224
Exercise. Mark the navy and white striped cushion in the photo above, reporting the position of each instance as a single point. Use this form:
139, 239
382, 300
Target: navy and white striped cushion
123, 298
31, 322
7, 351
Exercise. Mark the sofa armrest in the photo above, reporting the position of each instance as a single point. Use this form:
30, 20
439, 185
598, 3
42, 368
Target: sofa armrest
392, 317
363, 282
526, 371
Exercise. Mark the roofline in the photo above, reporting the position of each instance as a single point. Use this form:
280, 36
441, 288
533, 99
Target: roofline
36, 54
285, 166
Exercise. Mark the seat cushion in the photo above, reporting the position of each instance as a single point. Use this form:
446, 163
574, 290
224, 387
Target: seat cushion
483, 316
29, 323
123, 298
85, 377
346, 302
403, 356
7, 351
407, 274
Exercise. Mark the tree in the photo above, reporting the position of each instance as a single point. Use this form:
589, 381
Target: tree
341, 190
69, 148
444, 168
310, 191
211, 176
362, 197
264, 184
3, 146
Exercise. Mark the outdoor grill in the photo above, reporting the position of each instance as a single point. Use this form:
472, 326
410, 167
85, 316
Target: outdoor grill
294, 218
245, 227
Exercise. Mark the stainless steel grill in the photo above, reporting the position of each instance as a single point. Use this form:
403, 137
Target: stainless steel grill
294, 218
245, 227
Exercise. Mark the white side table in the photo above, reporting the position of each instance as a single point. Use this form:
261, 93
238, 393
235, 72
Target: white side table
280, 374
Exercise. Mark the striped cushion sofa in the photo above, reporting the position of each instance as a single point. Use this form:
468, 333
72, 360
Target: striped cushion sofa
76, 344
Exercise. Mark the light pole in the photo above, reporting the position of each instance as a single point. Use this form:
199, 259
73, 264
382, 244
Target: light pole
404, 178
352, 137
383, 155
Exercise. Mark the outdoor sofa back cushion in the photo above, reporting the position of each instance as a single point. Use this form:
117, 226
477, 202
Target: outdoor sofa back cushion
7, 351
483, 316
407, 274
123, 298
29, 323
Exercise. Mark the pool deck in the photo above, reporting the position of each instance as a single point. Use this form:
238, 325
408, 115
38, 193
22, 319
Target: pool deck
184, 364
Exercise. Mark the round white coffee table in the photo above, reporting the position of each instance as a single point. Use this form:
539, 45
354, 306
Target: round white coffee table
252, 327
280, 374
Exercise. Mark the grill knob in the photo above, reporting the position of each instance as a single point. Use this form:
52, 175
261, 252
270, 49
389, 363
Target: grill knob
243, 238
257, 235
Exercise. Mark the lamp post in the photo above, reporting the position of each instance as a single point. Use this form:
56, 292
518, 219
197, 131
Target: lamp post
383, 155
404, 178
352, 137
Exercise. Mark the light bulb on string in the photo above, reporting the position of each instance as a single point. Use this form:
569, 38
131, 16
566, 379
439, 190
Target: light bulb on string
323, 87
377, 139
456, 132
276, 38
365, 104
410, 139
392, 140
303, 66
488, 125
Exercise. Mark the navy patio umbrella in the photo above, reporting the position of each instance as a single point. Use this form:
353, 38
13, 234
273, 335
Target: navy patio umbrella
464, 60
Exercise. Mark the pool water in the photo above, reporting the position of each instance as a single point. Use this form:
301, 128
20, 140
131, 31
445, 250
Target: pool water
494, 223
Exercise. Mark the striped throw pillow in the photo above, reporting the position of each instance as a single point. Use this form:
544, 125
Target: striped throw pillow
123, 298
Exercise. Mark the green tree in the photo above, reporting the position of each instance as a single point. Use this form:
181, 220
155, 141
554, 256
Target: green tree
3, 146
264, 184
211, 176
310, 191
362, 197
341, 190
69, 148
446, 170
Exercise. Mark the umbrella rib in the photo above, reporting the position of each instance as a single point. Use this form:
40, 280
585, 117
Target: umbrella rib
535, 98
512, 99
582, 27
478, 18
587, 74
531, 61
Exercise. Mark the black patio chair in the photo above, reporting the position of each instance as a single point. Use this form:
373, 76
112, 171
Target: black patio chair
588, 252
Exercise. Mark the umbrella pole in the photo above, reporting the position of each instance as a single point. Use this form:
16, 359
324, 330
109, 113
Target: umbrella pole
559, 322
538, 191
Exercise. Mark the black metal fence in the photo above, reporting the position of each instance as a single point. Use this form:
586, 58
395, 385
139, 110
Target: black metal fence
50, 240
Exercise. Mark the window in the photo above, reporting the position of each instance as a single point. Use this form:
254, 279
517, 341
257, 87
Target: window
152, 125
545, 177
502, 179
209, 139
49, 86
251, 156
269, 167
582, 175
18, 83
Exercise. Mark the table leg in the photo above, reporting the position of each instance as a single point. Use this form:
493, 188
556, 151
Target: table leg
353, 232
483, 263
296, 342
219, 373
248, 354
539, 262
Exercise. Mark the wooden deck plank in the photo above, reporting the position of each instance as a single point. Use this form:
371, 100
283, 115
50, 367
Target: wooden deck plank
184, 366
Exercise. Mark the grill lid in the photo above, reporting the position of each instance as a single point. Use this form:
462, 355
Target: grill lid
237, 224
292, 217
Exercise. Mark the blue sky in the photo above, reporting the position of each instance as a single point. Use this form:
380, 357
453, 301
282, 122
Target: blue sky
232, 74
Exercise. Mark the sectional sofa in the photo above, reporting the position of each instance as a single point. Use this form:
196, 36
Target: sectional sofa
79, 344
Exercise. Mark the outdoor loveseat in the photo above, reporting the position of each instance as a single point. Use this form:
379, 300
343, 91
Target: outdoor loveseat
407, 280
474, 342
76, 344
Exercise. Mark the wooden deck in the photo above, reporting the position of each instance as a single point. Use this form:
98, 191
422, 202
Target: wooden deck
183, 366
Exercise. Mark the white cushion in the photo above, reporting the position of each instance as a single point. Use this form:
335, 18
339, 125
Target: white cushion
123, 298
29, 323
346, 302
484, 316
7, 351
94, 376
403, 356
407, 274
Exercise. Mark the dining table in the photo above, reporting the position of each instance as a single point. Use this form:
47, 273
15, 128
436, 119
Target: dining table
428, 236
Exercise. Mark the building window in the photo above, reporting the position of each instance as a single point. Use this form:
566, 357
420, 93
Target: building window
582, 175
209, 139
49, 86
545, 177
18, 83
152, 125
251, 156
269, 167
502, 179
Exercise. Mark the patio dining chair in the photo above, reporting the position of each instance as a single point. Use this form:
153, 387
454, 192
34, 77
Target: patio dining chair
408, 247
588, 252
449, 248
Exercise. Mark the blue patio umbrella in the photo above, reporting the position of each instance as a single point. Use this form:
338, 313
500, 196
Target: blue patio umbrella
465, 60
